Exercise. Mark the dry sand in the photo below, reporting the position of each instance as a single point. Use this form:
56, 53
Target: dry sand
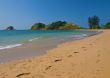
86, 58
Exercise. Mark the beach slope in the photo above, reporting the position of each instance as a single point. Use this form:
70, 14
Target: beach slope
86, 58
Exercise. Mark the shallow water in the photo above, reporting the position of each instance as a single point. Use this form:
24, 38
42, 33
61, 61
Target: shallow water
22, 44
15, 38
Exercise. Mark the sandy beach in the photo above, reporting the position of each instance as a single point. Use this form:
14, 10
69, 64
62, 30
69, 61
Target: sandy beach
85, 58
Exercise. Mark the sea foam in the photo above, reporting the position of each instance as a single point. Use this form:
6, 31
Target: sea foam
10, 46
33, 39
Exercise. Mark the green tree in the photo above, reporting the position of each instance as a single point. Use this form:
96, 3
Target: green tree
96, 27
94, 22
107, 25
69, 26
56, 25
38, 26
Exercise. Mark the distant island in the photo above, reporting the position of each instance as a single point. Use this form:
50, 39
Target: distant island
58, 25
10, 28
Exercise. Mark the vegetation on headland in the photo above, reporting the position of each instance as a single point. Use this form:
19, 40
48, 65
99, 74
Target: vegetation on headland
93, 23
38, 26
107, 25
58, 25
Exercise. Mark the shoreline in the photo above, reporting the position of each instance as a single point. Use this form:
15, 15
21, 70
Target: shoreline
30, 49
10, 46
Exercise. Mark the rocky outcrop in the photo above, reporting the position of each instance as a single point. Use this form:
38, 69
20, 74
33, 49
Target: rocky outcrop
10, 28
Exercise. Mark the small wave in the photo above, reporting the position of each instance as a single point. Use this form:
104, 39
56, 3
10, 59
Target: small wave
79, 36
9, 46
33, 39
84, 35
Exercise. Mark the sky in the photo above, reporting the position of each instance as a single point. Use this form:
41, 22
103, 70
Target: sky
22, 14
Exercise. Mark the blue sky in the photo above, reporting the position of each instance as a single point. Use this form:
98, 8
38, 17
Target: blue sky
23, 13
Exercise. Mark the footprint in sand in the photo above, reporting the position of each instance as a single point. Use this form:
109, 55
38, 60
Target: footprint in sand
98, 55
3, 75
83, 47
98, 72
98, 61
69, 55
76, 52
47, 68
22, 74
91, 44
57, 60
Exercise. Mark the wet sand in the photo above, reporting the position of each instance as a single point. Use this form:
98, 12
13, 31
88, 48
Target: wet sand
85, 58
27, 50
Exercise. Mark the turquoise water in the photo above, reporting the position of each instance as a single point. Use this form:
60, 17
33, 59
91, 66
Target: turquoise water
10, 39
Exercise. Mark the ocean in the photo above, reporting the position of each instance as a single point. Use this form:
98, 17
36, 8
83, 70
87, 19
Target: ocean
15, 38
